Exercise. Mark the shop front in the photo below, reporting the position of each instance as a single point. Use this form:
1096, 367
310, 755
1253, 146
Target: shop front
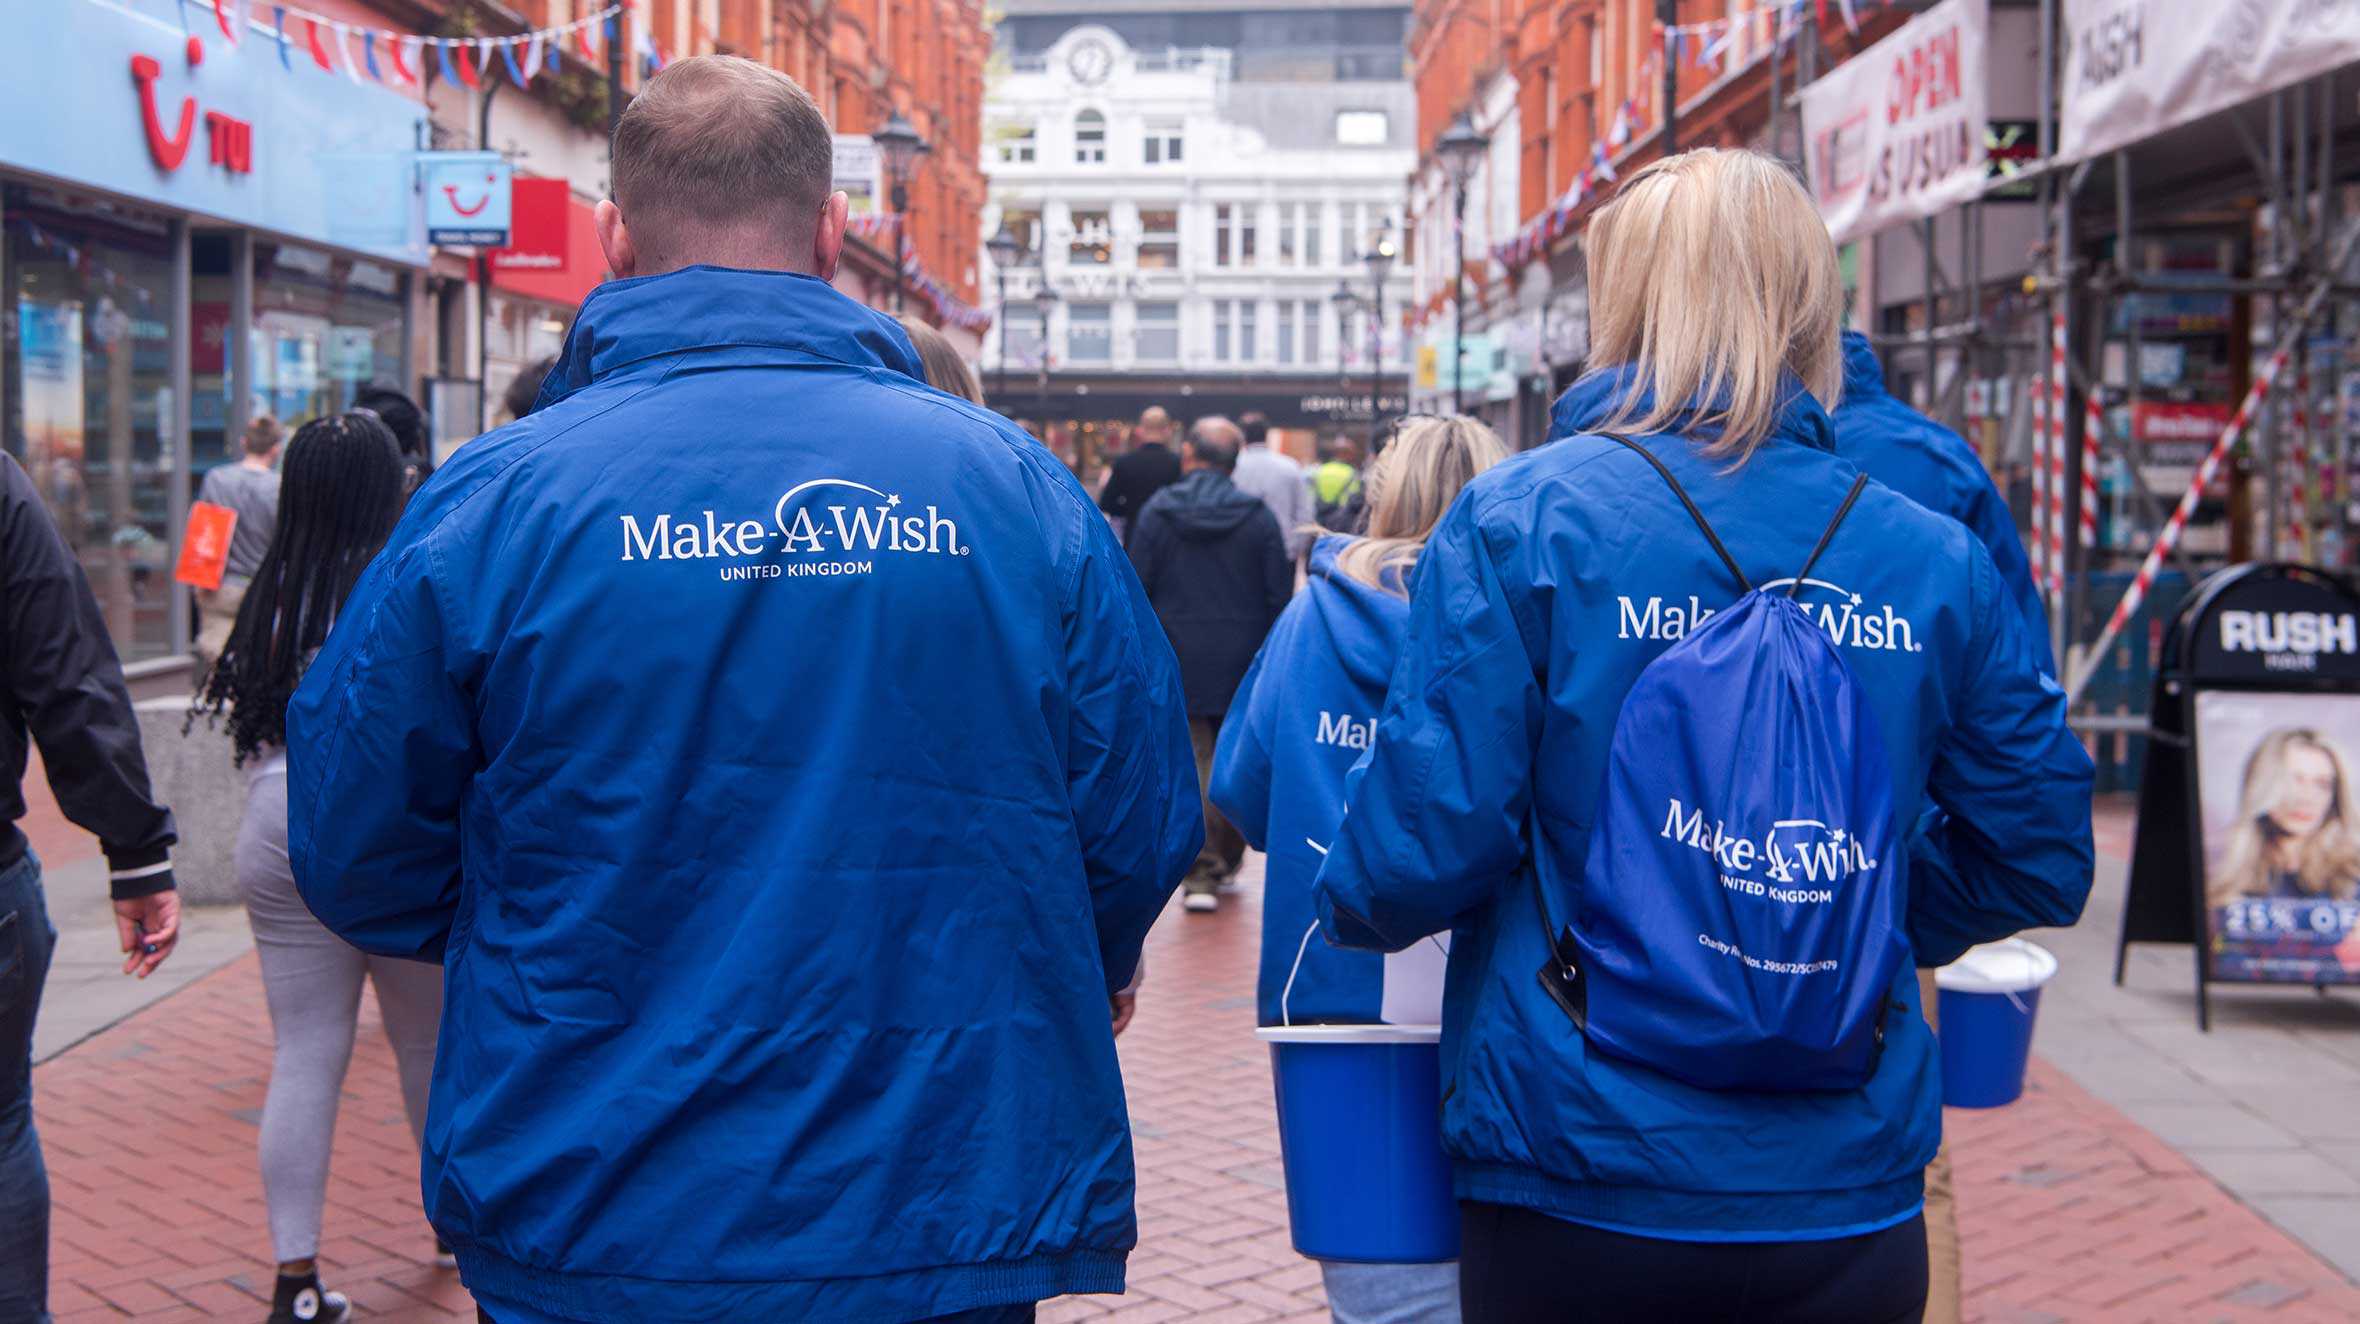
192, 232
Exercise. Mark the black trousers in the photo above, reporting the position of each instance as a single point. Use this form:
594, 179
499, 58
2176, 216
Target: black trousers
1517, 1266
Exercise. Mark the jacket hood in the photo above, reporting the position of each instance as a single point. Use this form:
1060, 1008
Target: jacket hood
626, 321
1205, 505
1364, 625
1591, 400
1864, 377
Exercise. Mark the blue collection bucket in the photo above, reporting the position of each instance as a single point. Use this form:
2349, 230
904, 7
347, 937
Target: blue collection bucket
1360, 1126
1988, 999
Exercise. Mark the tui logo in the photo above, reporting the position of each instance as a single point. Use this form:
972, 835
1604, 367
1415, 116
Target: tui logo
451, 191
230, 140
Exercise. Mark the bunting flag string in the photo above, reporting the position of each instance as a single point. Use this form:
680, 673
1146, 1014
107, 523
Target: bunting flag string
948, 306
462, 60
1716, 45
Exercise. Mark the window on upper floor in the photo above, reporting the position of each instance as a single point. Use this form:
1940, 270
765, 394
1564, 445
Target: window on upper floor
1089, 333
1224, 235
1163, 144
1290, 222
1361, 128
1158, 336
1093, 238
1019, 144
1089, 138
1159, 240
1025, 224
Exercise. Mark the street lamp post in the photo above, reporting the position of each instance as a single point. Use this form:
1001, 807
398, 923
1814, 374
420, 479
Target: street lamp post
1461, 151
1347, 312
1005, 248
901, 145
1044, 303
1379, 261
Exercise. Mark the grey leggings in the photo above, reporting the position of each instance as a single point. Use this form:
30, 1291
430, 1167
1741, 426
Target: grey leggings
312, 979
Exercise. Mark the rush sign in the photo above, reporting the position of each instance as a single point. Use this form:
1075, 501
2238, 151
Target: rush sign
229, 140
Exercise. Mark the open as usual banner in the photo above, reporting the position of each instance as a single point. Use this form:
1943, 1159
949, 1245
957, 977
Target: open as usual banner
1896, 132
2137, 67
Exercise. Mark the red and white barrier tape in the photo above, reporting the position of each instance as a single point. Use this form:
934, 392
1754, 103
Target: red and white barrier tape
2059, 396
2036, 546
2093, 427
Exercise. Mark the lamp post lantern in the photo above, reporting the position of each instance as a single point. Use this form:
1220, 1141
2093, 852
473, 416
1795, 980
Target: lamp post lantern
1461, 151
901, 145
1005, 248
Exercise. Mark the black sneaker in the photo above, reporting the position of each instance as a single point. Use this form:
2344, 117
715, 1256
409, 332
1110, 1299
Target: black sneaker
443, 1258
303, 1301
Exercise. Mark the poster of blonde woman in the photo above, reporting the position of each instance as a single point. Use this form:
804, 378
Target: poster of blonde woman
2281, 835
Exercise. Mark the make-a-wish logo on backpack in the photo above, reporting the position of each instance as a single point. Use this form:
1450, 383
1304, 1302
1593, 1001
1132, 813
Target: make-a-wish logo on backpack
1801, 859
1850, 620
821, 527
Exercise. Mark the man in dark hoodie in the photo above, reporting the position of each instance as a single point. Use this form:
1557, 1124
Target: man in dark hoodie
1215, 568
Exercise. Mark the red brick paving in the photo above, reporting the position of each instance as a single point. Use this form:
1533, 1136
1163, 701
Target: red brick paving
2069, 1211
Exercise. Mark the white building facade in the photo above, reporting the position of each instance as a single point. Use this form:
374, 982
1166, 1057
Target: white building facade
1195, 226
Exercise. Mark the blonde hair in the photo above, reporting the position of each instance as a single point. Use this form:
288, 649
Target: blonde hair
2327, 863
1409, 487
1712, 275
945, 370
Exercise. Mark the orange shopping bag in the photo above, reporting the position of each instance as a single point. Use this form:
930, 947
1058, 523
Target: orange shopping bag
204, 547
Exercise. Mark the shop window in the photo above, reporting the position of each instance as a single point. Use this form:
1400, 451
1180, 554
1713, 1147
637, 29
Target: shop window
325, 327
1159, 240
88, 396
1089, 333
1089, 138
1158, 337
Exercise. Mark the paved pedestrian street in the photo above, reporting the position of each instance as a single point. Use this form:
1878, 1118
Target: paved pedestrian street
2070, 1211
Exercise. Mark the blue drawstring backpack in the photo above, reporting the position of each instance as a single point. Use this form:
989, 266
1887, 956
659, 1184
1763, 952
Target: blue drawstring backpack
1740, 921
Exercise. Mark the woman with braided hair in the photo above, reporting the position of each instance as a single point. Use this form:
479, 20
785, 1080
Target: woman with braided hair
343, 489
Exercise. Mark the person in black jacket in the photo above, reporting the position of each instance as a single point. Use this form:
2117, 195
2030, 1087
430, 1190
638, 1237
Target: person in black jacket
1137, 477
1215, 568
60, 688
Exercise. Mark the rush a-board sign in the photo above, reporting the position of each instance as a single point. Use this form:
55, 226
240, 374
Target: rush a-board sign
2248, 837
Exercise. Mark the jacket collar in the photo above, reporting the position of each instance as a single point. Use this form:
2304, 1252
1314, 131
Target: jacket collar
1864, 377
1591, 400
627, 321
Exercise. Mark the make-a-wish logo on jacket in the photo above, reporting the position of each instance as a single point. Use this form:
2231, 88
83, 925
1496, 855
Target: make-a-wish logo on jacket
826, 526
1848, 619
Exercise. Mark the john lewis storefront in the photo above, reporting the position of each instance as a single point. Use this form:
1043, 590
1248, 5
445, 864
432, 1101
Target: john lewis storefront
191, 232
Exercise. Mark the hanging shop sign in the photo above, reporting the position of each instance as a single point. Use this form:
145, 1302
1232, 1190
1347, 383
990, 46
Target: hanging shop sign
539, 228
860, 173
468, 197
2135, 68
1896, 133
2248, 838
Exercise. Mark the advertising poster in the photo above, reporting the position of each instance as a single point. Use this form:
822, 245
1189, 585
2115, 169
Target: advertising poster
1896, 133
50, 341
860, 173
2281, 830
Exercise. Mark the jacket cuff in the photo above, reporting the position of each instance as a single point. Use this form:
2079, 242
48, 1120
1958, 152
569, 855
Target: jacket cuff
128, 881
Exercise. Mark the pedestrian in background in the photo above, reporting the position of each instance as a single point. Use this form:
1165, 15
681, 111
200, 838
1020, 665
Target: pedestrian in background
345, 484
407, 422
1273, 477
525, 388
1335, 486
786, 768
251, 488
1147, 469
1215, 568
945, 370
1715, 304
61, 687
1298, 724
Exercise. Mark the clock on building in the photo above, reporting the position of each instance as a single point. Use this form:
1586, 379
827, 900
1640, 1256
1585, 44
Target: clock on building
1090, 61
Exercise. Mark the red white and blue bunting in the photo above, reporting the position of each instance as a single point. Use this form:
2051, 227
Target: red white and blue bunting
947, 306
1713, 45
399, 59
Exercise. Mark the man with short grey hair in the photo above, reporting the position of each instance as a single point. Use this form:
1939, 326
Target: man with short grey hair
1273, 476
1216, 569
781, 760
